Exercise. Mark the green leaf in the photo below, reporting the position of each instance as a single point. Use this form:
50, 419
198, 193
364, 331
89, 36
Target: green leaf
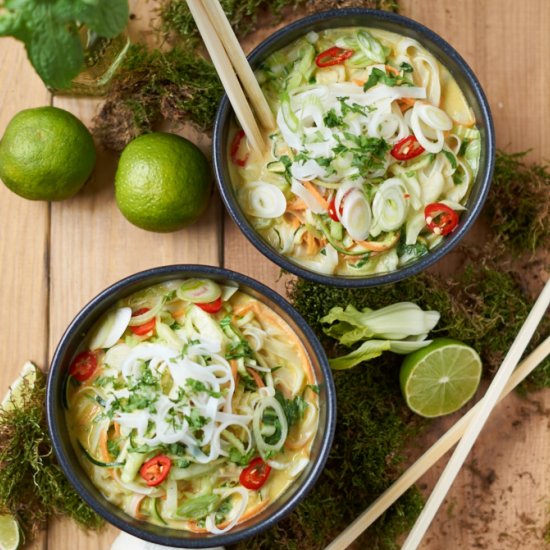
10, 25
107, 19
56, 51
368, 350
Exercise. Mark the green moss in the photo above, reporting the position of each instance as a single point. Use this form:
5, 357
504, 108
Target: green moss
519, 203
178, 85
482, 307
176, 21
32, 485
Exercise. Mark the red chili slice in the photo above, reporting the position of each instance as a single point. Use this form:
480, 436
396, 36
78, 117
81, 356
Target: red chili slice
154, 471
332, 210
407, 148
333, 56
255, 474
142, 330
440, 219
236, 148
83, 366
212, 307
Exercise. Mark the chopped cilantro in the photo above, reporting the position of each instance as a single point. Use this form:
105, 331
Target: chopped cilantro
378, 76
239, 458
332, 120
196, 386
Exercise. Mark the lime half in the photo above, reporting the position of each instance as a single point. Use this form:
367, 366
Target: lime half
440, 378
13, 398
9, 532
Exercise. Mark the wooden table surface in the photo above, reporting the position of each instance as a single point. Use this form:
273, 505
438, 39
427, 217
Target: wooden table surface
55, 257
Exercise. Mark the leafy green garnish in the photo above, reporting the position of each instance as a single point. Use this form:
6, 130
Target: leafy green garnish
239, 458
294, 409
332, 120
50, 32
368, 152
198, 507
378, 76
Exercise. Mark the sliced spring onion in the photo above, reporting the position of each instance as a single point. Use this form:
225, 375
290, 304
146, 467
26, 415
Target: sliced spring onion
371, 47
389, 206
199, 291
263, 446
356, 215
264, 200
288, 114
225, 493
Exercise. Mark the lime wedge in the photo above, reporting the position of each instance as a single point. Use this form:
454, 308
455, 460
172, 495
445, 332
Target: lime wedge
13, 398
440, 378
9, 532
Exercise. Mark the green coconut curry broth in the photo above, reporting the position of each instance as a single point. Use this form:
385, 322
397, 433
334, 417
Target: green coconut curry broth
212, 387
342, 187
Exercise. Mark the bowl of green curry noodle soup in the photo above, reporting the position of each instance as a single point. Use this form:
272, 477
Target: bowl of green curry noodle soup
190, 406
381, 156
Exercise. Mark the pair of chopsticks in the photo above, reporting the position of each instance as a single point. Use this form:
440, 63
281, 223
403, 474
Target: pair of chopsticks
230, 61
465, 431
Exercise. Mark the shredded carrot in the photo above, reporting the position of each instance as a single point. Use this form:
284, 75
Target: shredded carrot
315, 192
137, 513
116, 426
405, 103
379, 247
179, 313
194, 528
296, 204
293, 219
105, 454
312, 247
256, 376
359, 82
243, 310
234, 371
391, 69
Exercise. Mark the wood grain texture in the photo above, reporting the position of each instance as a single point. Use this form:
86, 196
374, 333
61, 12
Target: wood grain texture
24, 238
501, 498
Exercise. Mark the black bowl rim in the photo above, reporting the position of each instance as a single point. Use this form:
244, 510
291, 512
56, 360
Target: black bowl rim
469, 217
178, 270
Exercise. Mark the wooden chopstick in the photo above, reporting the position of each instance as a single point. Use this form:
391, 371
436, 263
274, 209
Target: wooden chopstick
432, 455
240, 63
227, 76
478, 420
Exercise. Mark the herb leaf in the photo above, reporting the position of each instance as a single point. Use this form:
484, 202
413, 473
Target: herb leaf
105, 18
56, 51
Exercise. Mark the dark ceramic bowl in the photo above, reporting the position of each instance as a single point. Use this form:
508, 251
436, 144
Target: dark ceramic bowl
69, 462
447, 56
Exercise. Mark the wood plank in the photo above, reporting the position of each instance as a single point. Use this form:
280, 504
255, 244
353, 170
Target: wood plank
24, 237
93, 246
500, 497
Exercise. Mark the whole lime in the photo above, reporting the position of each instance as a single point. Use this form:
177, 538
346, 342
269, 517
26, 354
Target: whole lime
46, 153
163, 182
